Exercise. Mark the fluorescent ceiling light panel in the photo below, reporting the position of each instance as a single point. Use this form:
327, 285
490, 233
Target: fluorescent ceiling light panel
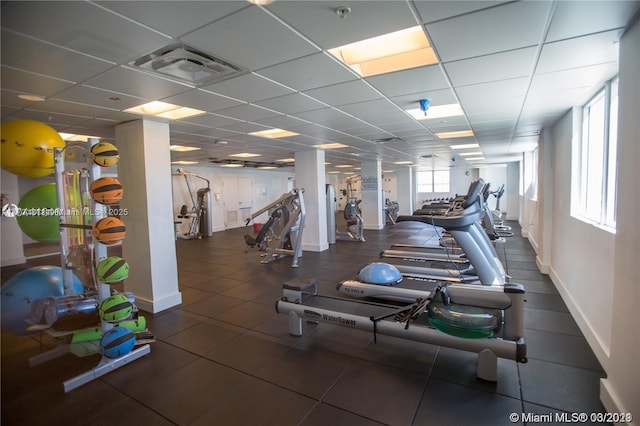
71, 137
388, 171
32, 98
164, 110
465, 146
232, 165
287, 160
344, 166
458, 134
331, 145
439, 111
244, 155
399, 50
475, 159
184, 162
403, 162
267, 167
465, 154
274, 133
182, 148
333, 173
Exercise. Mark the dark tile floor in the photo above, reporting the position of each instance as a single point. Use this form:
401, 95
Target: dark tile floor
224, 357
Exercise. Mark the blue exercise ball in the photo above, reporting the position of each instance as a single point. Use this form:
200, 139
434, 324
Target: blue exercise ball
380, 273
27, 286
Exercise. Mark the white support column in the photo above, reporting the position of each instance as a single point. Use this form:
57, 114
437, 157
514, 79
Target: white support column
545, 200
149, 246
310, 175
405, 190
371, 189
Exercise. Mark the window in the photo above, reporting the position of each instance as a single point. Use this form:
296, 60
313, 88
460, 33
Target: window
433, 180
596, 154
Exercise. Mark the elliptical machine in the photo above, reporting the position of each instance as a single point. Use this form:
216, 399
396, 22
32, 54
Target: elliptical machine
281, 235
201, 223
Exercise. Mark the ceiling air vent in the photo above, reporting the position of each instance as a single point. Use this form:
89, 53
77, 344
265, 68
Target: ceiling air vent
187, 64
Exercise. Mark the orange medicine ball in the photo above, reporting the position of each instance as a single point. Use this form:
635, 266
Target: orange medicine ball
106, 190
109, 230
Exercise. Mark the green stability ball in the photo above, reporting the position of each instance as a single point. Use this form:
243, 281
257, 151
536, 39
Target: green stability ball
38, 216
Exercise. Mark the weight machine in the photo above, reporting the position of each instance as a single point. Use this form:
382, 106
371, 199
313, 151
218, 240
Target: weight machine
200, 213
281, 235
352, 214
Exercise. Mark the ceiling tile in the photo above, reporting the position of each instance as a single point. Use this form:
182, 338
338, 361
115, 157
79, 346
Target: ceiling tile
579, 52
310, 72
510, 26
319, 21
210, 120
174, 18
590, 77
293, 103
499, 66
248, 112
32, 84
70, 108
438, 97
417, 80
345, 93
431, 11
575, 18
499, 97
202, 99
136, 83
72, 24
376, 112
98, 97
48, 60
251, 39
249, 88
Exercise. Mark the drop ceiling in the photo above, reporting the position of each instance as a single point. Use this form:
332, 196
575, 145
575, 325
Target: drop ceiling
514, 67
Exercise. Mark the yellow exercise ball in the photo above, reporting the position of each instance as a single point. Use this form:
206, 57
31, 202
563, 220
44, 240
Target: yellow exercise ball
27, 147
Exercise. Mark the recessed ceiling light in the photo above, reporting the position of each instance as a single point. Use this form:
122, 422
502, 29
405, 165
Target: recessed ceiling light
71, 137
274, 133
465, 146
458, 134
32, 98
438, 111
267, 167
184, 162
466, 154
344, 166
164, 110
475, 159
388, 171
183, 148
244, 155
232, 165
261, 2
399, 50
403, 162
330, 145
333, 173
287, 160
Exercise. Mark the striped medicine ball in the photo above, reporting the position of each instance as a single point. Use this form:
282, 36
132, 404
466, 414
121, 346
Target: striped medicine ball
106, 190
112, 270
117, 342
115, 308
105, 154
109, 230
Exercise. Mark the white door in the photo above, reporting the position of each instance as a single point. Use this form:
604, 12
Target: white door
238, 201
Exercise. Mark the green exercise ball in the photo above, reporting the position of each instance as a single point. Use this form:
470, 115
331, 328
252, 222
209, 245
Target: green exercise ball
38, 216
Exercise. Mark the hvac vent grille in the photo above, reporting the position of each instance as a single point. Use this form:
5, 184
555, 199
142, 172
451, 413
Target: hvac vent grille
187, 64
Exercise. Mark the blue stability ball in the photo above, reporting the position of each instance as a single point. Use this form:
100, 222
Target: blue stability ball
21, 290
380, 273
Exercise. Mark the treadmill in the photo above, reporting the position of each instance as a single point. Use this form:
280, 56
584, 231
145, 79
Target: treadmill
464, 228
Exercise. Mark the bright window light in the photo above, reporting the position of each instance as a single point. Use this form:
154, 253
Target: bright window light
438, 111
465, 146
183, 148
274, 133
244, 155
459, 134
399, 50
164, 110
331, 145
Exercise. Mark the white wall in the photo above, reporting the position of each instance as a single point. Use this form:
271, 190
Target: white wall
620, 391
596, 271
